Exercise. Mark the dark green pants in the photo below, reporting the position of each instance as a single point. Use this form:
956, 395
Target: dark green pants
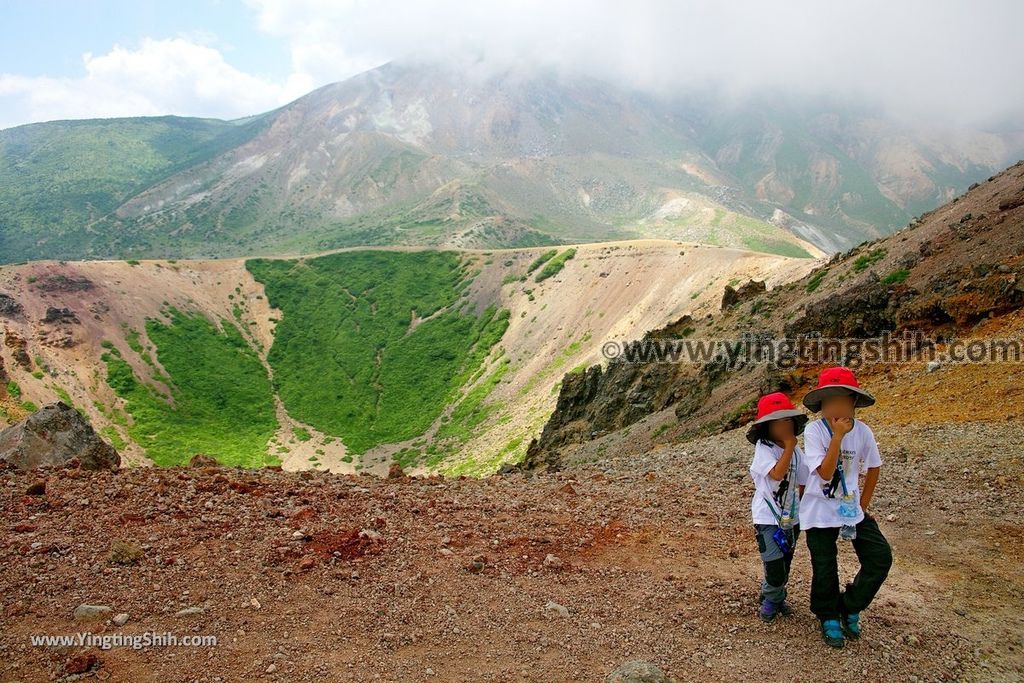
875, 558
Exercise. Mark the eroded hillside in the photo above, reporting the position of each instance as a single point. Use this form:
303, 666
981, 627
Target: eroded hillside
956, 273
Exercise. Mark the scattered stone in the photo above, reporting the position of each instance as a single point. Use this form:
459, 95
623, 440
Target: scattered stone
189, 612
120, 619
637, 671
934, 365
81, 663
89, 612
125, 553
560, 610
552, 561
37, 488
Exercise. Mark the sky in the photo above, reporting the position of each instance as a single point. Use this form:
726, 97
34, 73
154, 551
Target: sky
938, 62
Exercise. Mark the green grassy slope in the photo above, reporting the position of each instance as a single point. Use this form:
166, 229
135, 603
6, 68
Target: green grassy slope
347, 358
58, 177
222, 399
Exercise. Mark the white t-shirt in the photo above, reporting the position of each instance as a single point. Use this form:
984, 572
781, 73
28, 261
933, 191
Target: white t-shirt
765, 457
858, 453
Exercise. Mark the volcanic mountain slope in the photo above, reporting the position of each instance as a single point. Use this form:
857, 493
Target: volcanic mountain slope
444, 361
415, 154
955, 273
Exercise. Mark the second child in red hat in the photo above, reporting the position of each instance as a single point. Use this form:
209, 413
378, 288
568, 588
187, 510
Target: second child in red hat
779, 474
840, 448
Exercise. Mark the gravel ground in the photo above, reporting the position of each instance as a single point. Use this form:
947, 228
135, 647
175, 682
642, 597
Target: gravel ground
554, 577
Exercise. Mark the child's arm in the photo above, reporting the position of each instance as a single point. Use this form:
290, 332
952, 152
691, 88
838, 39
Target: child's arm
840, 428
782, 466
870, 479
873, 462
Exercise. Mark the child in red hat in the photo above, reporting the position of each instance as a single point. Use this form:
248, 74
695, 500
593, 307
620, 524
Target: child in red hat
778, 471
840, 448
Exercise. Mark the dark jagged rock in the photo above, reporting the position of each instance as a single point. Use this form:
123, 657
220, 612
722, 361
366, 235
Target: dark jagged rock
596, 402
746, 292
63, 283
9, 306
864, 310
55, 436
60, 315
19, 349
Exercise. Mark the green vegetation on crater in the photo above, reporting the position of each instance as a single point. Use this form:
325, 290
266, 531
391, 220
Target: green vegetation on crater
372, 345
555, 265
221, 400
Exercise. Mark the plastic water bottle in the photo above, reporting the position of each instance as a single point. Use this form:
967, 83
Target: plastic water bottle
848, 510
786, 522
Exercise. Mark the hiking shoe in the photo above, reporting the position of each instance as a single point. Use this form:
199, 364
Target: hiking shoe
785, 609
851, 625
832, 633
769, 610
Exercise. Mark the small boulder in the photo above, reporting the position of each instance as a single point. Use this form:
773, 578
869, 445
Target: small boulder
554, 607
553, 561
54, 436
89, 612
637, 672
202, 460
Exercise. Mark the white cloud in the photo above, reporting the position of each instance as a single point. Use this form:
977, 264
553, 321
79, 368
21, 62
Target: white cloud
172, 76
926, 60
941, 60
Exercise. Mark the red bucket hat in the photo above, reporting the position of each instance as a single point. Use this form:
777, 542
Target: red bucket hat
776, 406
833, 382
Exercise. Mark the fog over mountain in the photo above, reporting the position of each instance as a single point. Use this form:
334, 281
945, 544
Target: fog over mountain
927, 63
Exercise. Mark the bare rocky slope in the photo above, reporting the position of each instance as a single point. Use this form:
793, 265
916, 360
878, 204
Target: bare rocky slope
956, 272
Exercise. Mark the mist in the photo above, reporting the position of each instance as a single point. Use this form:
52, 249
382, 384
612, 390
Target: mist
944, 63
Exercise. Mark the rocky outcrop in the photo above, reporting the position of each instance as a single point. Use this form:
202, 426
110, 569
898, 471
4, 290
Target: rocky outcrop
19, 349
55, 436
746, 292
9, 306
863, 310
63, 283
598, 401
60, 315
